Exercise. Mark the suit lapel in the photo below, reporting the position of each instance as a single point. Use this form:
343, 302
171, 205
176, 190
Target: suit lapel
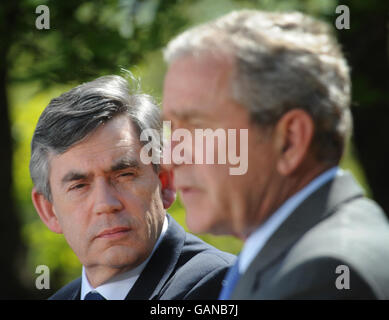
319, 205
161, 264
72, 291
76, 294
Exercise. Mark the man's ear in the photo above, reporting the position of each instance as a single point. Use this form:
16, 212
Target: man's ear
45, 210
168, 190
294, 133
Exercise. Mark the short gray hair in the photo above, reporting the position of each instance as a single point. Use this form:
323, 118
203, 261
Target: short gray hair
283, 61
71, 117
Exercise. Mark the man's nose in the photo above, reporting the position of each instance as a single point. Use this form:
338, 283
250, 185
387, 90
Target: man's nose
105, 199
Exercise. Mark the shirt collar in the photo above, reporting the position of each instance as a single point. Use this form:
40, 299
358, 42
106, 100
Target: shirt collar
118, 287
256, 241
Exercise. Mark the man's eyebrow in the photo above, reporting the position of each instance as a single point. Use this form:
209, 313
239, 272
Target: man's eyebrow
73, 176
186, 115
125, 163
121, 164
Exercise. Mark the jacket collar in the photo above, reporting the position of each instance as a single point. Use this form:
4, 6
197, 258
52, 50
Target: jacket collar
161, 265
318, 206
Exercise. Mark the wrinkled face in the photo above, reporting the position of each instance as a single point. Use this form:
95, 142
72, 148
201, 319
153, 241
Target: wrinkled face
108, 203
197, 94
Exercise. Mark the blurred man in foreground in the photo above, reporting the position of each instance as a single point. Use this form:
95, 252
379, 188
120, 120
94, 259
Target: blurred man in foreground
309, 231
91, 185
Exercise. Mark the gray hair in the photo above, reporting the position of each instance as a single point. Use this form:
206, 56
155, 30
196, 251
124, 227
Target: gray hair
283, 61
74, 115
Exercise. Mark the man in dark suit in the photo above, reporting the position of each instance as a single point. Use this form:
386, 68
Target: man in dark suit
280, 81
183, 267
332, 246
95, 182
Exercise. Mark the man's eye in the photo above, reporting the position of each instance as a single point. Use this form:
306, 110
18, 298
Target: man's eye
78, 186
126, 174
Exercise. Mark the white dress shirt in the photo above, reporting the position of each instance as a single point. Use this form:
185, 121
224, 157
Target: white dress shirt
257, 240
118, 287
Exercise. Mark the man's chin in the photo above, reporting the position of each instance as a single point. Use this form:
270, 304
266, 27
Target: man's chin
203, 222
121, 257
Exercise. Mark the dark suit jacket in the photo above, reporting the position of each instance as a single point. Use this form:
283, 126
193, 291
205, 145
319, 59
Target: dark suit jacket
335, 226
182, 267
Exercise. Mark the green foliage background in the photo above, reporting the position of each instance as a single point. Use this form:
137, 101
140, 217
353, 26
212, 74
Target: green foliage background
29, 98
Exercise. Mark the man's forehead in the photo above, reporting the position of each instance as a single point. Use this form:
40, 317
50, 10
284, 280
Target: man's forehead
107, 157
187, 114
116, 133
108, 144
68, 171
120, 129
199, 71
217, 59
195, 89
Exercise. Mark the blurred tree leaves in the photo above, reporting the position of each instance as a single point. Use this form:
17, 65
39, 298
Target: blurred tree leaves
88, 38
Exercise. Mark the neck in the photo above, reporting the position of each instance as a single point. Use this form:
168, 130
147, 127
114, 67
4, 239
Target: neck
280, 189
99, 275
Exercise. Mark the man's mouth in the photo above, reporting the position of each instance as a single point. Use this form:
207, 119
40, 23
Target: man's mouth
114, 232
189, 191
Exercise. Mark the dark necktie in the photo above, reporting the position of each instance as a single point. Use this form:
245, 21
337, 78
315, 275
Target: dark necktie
93, 295
230, 281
